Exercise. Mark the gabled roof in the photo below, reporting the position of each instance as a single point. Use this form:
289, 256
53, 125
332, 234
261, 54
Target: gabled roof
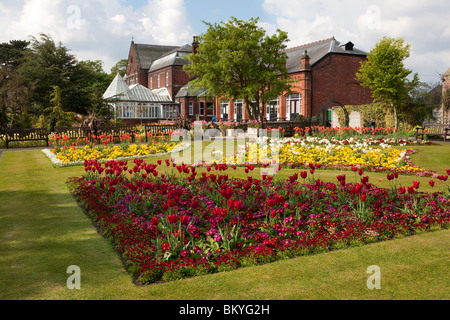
188, 91
147, 53
317, 51
119, 91
175, 57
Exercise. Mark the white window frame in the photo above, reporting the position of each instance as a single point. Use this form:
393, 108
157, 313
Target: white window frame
159, 81
225, 108
272, 104
191, 108
288, 105
167, 79
236, 103
151, 82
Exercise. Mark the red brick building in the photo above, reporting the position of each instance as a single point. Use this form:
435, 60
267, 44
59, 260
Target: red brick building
324, 72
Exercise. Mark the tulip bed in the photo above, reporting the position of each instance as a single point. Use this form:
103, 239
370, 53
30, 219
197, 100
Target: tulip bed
167, 221
106, 147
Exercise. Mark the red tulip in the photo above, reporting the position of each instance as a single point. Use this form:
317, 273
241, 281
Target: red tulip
431, 183
363, 196
172, 218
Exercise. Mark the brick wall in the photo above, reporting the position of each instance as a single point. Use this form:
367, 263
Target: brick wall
335, 77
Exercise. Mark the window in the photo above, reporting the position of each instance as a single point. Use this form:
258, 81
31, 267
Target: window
238, 109
293, 106
159, 81
272, 109
191, 108
224, 110
202, 108
167, 79
151, 82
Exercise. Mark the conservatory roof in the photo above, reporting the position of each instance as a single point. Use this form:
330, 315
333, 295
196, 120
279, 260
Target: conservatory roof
119, 91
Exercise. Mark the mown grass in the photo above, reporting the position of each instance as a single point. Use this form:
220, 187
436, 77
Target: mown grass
43, 231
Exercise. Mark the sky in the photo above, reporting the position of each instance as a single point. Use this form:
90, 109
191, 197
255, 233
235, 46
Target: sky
104, 29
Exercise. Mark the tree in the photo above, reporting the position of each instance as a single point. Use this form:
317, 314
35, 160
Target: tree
12, 53
421, 101
120, 68
56, 114
47, 65
14, 96
385, 74
89, 82
237, 60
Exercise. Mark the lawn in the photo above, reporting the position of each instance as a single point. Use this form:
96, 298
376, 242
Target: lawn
43, 231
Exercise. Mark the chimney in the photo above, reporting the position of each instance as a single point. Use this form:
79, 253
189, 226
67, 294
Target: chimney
305, 62
195, 44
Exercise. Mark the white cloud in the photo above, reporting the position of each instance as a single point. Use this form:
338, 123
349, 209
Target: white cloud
99, 29
424, 25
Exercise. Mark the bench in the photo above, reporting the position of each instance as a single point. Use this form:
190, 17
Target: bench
434, 130
156, 129
31, 134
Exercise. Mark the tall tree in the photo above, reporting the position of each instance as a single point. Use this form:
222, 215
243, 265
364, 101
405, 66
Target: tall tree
12, 53
235, 59
56, 114
385, 74
120, 68
46, 65
14, 96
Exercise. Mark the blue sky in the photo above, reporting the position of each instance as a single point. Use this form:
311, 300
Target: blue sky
103, 29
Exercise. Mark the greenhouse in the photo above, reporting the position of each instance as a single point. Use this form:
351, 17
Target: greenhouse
139, 102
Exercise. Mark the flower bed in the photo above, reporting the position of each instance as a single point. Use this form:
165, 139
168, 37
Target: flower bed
77, 155
65, 151
175, 225
367, 153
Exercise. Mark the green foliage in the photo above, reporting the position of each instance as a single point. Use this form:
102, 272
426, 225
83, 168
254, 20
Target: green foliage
81, 83
12, 53
237, 60
14, 96
384, 73
120, 68
300, 118
56, 114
